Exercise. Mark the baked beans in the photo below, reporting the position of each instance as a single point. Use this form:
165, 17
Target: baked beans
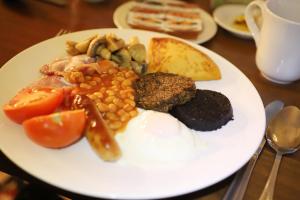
112, 92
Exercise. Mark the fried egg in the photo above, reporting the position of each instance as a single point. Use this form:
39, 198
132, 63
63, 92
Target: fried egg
157, 137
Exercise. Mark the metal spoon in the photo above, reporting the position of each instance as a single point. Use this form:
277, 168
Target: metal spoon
239, 184
283, 135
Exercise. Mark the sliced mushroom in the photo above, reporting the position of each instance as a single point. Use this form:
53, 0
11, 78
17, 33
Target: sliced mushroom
139, 68
124, 55
83, 46
94, 44
125, 64
138, 52
105, 53
113, 43
71, 48
116, 59
134, 40
99, 49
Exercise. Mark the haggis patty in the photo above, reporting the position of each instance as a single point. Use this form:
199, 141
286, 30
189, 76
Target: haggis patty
161, 91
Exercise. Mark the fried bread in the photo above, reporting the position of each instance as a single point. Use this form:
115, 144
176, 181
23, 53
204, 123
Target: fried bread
174, 56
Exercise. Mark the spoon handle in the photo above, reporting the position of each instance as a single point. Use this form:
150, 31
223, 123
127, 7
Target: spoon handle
268, 191
237, 188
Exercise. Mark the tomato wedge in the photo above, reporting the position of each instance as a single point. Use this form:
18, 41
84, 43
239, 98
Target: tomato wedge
31, 102
56, 130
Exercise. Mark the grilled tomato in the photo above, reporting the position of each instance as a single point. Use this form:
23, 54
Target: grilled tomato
56, 130
31, 102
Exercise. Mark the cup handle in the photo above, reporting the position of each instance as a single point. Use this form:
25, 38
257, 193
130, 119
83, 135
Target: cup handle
250, 20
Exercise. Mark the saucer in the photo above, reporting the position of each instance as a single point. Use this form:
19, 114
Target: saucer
226, 15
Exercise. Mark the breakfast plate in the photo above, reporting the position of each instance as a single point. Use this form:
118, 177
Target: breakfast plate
78, 169
225, 17
209, 25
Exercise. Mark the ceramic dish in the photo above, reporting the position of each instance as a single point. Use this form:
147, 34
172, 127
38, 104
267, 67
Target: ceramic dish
209, 30
225, 16
77, 168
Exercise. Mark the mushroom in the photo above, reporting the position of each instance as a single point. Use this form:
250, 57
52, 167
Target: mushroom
99, 49
116, 59
134, 40
105, 53
71, 48
138, 52
124, 55
94, 45
83, 46
113, 43
139, 68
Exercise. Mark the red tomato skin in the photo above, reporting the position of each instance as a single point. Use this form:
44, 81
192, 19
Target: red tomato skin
56, 130
41, 107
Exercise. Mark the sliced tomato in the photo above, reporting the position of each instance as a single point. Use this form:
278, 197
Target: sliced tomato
56, 130
31, 102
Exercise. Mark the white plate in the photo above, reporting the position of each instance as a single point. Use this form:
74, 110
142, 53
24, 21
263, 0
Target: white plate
78, 169
225, 15
209, 25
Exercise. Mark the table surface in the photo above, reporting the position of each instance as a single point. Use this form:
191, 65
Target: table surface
26, 22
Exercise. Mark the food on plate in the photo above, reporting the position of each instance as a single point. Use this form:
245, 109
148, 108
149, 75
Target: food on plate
239, 22
208, 110
169, 16
110, 87
107, 47
157, 137
95, 92
56, 130
161, 91
69, 63
100, 137
53, 82
103, 82
174, 56
33, 101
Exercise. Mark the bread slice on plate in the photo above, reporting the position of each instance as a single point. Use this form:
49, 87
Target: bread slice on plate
174, 56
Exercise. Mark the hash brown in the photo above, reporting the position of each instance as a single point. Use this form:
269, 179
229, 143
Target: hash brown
174, 56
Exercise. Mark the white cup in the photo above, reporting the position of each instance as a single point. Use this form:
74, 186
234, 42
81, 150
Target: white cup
278, 39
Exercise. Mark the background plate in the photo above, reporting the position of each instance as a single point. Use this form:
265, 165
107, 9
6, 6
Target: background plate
224, 16
209, 25
78, 169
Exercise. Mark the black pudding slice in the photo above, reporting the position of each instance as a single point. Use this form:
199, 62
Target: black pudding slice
207, 111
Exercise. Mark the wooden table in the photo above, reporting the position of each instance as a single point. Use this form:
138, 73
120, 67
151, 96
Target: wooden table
25, 23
